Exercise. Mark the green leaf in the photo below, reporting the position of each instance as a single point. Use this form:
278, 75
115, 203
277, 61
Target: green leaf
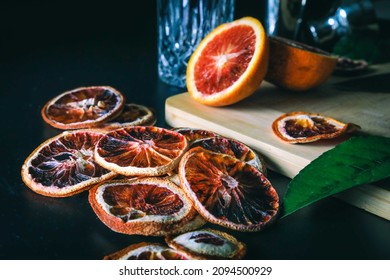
359, 160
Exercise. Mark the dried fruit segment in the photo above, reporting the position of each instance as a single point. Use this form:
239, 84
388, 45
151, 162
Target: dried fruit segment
303, 127
147, 251
83, 107
228, 191
208, 244
139, 150
145, 206
64, 165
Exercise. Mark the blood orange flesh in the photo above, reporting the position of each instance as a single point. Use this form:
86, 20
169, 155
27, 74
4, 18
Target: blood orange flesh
225, 59
229, 64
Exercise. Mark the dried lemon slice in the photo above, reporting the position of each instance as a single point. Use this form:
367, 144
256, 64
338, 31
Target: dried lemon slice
64, 165
145, 206
227, 191
208, 244
303, 127
147, 251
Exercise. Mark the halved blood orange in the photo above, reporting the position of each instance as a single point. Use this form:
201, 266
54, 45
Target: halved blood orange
229, 64
83, 107
141, 150
296, 66
132, 115
64, 165
208, 244
233, 148
145, 206
304, 127
147, 251
227, 191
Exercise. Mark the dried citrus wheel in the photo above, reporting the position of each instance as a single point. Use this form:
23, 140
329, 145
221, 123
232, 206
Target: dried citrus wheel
193, 134
145, 206
83, 107
64, 165
132, 115
140, 150
147, 251
228, 191
229, 64
296, 66
303, 127
196, 222
208, 244
233, 148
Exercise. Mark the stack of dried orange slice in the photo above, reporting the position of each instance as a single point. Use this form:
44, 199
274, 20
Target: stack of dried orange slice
151, 181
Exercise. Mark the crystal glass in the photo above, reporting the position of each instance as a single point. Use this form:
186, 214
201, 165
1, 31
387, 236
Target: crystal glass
182, 24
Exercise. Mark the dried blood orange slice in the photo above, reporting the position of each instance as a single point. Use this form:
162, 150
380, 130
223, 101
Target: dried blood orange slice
208, 244
193, 134
132, 115
83, 107
64, 165
228, 191
233, 148
145, 206
147, 251
141, 150
296, 66
229, 64
303, 127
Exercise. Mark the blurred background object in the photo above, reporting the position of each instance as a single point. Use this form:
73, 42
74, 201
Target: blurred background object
358, 29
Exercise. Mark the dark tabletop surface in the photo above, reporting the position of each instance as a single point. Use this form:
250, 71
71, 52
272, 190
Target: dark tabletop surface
49, 48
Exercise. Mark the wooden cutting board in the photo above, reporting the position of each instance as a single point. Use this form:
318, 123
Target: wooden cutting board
363, 100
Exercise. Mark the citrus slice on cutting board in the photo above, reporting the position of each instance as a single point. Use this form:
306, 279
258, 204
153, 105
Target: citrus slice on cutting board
227, 191
229, 64
147, 251
83, 107
296, 66
207, 244
64, 165
304, 127
144, 206
141, 150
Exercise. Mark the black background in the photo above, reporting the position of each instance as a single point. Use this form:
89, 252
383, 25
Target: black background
50, 47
